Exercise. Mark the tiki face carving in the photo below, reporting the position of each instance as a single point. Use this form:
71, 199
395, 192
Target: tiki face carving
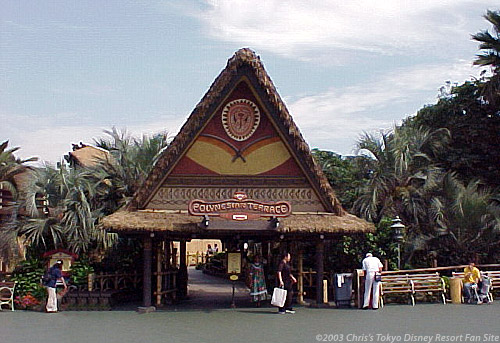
240, 119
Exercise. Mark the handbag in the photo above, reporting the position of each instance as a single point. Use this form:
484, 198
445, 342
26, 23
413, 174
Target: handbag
279, 297
378, 277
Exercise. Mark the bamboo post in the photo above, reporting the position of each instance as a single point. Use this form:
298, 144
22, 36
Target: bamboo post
183, 275
300, 282
158, 274
90, 282
146, 293
325, 291
320, 248
168, 254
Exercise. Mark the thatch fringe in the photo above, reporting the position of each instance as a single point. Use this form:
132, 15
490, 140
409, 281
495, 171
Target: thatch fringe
326, 223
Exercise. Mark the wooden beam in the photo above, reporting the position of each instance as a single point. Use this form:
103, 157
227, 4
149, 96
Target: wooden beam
300, 281
320, 250
159, 254
146, 295
183, 274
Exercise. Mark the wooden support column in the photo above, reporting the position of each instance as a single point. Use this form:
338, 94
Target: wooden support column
300, 281
320, 249
183, 274
148, 246
159, 260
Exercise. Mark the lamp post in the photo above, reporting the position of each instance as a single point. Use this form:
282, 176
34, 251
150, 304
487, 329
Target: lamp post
398, 228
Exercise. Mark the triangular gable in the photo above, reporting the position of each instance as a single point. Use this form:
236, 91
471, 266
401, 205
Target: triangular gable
239, 137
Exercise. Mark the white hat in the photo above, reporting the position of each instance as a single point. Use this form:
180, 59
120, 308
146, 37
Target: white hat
369, 254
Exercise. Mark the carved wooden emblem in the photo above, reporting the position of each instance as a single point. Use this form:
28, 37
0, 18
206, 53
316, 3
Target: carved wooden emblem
240, 208
240, 119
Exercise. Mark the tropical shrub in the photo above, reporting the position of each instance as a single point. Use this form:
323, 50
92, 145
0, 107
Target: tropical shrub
79, 272
28, 276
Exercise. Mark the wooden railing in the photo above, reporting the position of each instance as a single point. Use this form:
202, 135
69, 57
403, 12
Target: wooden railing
166, 285
113, 281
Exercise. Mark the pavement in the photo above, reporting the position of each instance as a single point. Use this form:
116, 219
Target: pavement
207, 317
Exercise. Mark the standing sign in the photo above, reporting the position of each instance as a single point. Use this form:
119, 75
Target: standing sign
234, 263
233, 269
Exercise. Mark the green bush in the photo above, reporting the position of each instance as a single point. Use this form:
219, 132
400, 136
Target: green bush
79, 272
28, 276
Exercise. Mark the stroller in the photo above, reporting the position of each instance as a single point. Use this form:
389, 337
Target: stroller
481, 295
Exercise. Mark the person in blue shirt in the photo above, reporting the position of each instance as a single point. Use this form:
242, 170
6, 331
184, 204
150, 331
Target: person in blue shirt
55, 275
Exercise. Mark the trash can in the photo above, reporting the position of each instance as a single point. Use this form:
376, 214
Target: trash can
456, 290
342, 285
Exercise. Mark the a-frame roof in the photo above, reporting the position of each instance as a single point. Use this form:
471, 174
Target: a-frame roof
244, 63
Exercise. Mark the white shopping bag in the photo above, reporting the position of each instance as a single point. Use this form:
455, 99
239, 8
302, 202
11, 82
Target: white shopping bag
279, 297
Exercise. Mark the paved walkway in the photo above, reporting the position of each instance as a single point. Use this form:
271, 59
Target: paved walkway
206, 317
209, 292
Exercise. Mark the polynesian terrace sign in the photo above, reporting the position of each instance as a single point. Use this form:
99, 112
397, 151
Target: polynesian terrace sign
239, 208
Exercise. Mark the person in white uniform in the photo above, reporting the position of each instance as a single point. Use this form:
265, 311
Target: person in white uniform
371, 265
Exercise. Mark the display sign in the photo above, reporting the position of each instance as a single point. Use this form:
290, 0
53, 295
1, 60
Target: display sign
240, 208
234, 263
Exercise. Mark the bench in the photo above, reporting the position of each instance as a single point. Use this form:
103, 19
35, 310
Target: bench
395, 284
428, 284
412, 284
7, 294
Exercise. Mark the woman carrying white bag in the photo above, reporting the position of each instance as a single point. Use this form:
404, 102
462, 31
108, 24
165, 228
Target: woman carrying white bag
286, 281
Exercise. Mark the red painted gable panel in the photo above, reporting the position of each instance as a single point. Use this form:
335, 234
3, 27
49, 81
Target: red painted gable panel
262, 148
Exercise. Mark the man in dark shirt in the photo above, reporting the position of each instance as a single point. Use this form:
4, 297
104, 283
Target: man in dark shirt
286, 281
56, 274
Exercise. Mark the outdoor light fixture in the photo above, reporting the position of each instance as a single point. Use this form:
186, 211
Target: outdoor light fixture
321, 236
152, 234
205, 222
398, 228
275, 222
282, 236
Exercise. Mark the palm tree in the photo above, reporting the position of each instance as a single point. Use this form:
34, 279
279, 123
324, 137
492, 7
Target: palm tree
404, 181
489, 43
11, 168
404, 173
490, 46
69, 213
132, 160
468, 220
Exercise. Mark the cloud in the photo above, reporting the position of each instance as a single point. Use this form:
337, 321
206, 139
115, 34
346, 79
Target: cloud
318, 29
334, 120
49, 140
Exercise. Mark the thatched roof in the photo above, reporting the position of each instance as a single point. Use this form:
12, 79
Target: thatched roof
244, 63
88, 156
164, 221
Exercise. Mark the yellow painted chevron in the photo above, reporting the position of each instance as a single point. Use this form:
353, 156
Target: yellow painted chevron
219, 160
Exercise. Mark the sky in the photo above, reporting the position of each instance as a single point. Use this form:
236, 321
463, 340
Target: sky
71, 69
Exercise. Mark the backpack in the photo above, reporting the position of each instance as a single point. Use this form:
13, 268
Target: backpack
47, 277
